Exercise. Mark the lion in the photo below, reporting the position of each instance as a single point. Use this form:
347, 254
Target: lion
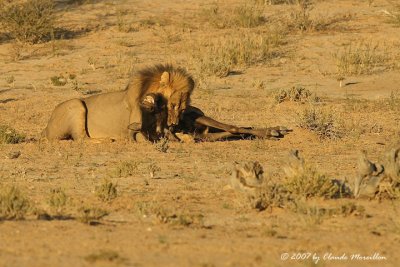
194, 125
117, 115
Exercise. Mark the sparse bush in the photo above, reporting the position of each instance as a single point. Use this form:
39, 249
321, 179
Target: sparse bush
361, 58
58, 80
57, 200
153, 169
394, 100
271, 195
394, 13
168, 36
183, 219
246, 16
303, 180
124, 169
10, 80
311, 183
316, 214
295, 94
300, 19
107, 191
13, 204
28, 21
105, 256
219, 57
122, 23
153, 21
277, 2
167, 216
91, 215
324, 123
9, 136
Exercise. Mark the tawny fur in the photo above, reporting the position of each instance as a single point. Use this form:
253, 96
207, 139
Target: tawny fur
108, 115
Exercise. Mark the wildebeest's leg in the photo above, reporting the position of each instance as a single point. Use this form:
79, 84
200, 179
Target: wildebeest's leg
211, 137
272, 132
209, 122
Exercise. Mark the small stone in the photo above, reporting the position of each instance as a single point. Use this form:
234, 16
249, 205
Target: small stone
13, 155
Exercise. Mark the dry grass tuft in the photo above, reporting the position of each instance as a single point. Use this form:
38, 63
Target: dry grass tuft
295, 94
13, 204
324, 122
107, 191
220, 56
105, 256
124, 169
277, 2
122, 21
29, 21
162, 145
58, 80
310, 183
90, 215
9, 136
57, 200
394, 13
315, 214
361, 58
303, 180
300, 19
246, 16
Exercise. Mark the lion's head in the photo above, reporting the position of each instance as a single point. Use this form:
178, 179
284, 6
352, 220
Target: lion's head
177, 104
179, 91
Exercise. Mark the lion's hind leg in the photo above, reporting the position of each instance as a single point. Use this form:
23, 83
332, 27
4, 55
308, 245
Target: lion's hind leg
68, 121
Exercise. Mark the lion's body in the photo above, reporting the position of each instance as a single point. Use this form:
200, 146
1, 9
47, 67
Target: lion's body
108, 115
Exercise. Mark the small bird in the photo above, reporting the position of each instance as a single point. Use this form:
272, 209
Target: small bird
247, 177
295, 164
369, 176
393, 164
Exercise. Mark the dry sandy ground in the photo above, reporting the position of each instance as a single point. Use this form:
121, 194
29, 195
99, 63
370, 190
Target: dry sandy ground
185, 215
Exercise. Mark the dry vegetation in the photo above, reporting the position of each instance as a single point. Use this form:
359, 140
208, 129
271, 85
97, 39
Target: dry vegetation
28, 21
327, 69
